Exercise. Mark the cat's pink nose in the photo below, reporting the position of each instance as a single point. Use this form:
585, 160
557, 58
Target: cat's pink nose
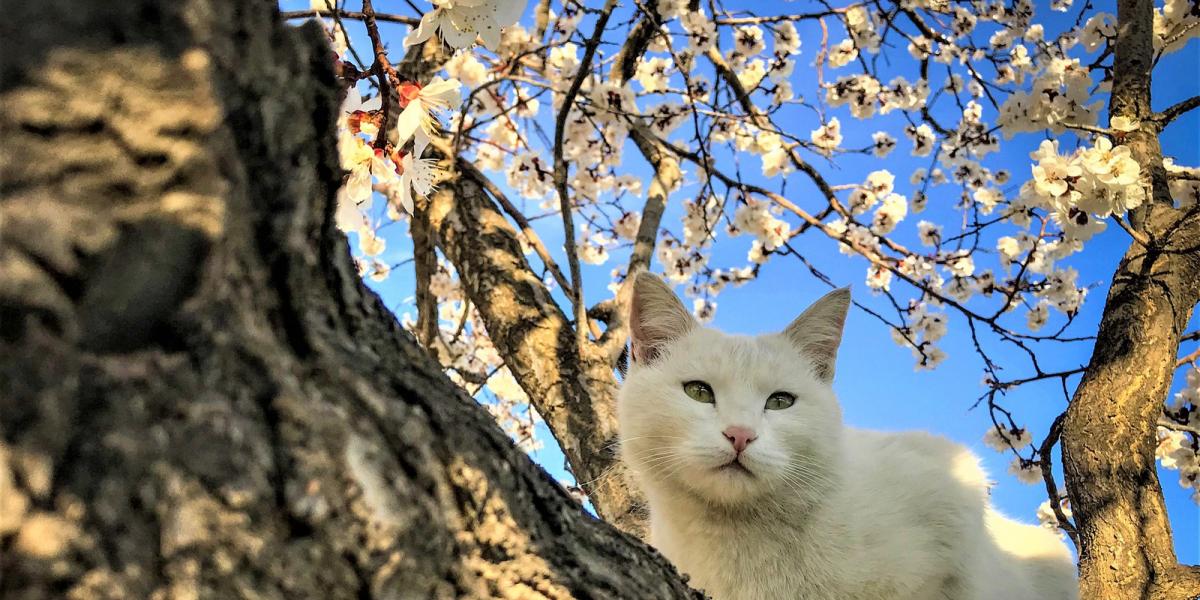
739, 437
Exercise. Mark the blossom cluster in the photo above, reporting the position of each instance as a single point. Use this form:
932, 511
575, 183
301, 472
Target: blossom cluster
1083, 188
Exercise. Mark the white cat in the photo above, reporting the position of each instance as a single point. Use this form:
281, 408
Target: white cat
757, 490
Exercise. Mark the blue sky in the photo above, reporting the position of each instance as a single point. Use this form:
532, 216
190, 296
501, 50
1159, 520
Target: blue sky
876, 382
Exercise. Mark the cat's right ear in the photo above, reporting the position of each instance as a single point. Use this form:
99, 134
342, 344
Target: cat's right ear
818, 332
656, 318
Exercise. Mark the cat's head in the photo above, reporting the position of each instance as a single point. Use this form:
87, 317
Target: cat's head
729, 419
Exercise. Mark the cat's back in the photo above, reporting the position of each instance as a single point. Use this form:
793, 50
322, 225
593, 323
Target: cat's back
921, 478
908, 465
1034, 554
922, 497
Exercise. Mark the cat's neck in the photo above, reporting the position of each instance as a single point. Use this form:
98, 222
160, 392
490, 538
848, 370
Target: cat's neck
705, 540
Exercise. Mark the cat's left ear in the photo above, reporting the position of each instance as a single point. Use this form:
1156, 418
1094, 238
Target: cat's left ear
817, 332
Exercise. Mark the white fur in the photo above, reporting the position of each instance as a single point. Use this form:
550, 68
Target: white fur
829, 512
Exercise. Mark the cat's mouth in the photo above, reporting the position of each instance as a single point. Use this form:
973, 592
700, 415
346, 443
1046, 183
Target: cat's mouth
735, 466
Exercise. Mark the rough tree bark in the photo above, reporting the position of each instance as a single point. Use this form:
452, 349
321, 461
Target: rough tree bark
575, 397
1108, 438
198, 397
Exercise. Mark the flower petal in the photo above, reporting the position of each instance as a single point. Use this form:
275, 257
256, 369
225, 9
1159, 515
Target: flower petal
429, 24
405, 194
420, 142
409, 121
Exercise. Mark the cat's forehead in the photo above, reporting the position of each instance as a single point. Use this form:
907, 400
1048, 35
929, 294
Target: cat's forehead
745, 355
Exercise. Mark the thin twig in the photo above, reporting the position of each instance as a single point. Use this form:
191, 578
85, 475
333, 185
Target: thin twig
1177, 426
1133, 233
348, 14
560, 174
1188, 359
383, 69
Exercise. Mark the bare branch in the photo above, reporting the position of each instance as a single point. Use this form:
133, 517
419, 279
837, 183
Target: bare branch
573, 391
1173, 112
666, 177
1138, 236
560, 174
425, 266
756, 20
349, 14
1188, 359
389, 80
1047, 465
1177, 426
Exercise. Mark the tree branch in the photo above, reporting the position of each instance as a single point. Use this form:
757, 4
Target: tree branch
389, 80
1177, 426
425, 266
1045, 451
665, 179
1108, 435
573, 391
1173, 112
531, 235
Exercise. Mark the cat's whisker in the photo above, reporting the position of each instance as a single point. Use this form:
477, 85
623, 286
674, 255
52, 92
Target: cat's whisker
657, 449
819, 477
808, 476
605, 474
651, 461
798, 484
678, 466
618, 444
806, 473
656, 456
648, 437
662, 463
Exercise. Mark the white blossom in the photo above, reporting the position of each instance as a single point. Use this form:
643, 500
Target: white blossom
1027, 472
1005, 438
459, 22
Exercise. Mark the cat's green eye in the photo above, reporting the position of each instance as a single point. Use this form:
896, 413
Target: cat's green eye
700, 392
780, 401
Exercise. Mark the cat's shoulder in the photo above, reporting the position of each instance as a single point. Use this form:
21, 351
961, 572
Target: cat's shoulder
918, 451
907, 442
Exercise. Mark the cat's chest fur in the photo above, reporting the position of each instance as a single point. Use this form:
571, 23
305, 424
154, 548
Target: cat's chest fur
744, 560
826, 550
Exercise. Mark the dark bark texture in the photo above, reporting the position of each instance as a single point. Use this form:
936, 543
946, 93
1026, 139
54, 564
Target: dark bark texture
1108, 438
198, 396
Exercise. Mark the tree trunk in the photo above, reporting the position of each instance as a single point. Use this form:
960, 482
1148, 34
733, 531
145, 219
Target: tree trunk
1126, 549
198, 397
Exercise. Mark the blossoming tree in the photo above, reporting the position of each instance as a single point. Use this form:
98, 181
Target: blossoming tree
546, 120
201, 399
